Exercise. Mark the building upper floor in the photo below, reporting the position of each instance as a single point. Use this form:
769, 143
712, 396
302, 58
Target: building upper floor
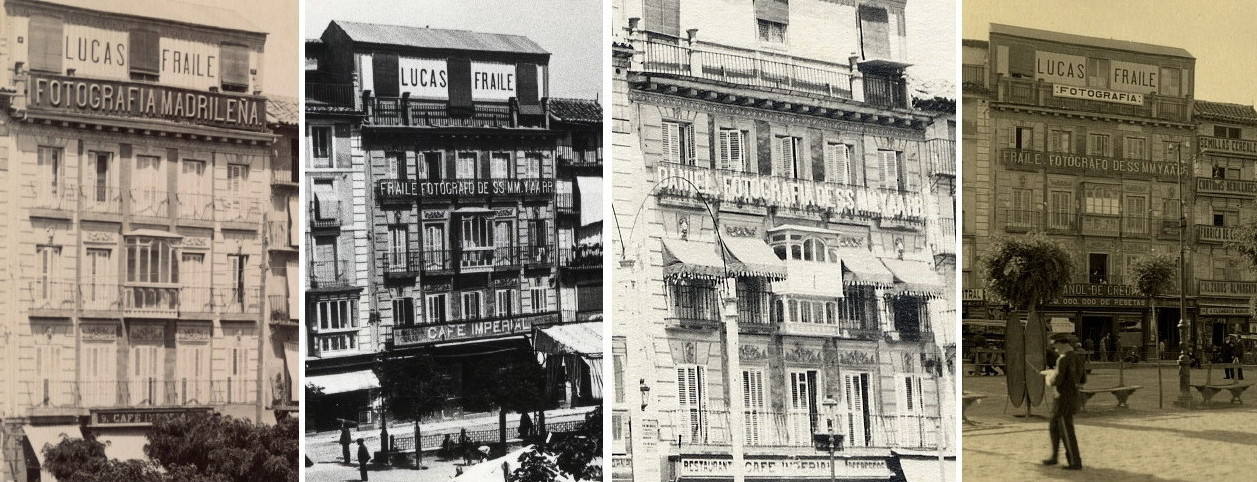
401, 76
149, 61
837, 50
1066, 72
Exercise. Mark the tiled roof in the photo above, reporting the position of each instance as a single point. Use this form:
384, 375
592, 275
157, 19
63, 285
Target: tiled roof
282, 110
575, 110
173, 10
1226, 111
435, 38
1037, 34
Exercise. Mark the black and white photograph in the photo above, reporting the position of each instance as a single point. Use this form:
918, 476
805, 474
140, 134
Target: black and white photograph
453, 182
1109, 159
784, 220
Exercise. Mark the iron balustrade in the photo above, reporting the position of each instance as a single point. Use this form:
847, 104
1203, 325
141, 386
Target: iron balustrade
563, 203
195, 206
283, 175
237, 208
537, 255
279, 235
582, 256
52, 294
507, 257
753, 69
331, 94
100, 295
408, 112
141, 391
238, 300
885, 91
437, 260
324, 214
149, 202
471, 259
101, 199
46, 194
400, 263
280, 313
1031, 92
973, 75
197, 299
699, 426
330, 274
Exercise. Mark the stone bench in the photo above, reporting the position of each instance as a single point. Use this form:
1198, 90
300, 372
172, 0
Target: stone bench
1122, 393
1207, 391
969, 399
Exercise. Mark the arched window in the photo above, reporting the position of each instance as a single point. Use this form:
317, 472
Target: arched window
796, 251
809, 250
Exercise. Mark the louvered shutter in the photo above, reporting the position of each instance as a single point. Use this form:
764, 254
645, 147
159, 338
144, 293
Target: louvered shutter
737, 151
672, 142
726, 148
235, 65
874, 32
145, 52
773, 11
385, 75
1021, 61
527, 89
753, 401
460, 85
45, 44
838, 163
890, 169
785, 151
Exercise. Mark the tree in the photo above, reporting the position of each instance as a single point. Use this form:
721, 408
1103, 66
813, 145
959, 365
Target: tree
1153, 276
573, 455
515, 384
412, 386
1026, 272
1244, 242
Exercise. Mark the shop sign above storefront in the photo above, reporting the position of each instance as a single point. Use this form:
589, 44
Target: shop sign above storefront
1231, 146
429, 79
1091, 165
468, 330
138, 417
785, 468
50, 93
466, 187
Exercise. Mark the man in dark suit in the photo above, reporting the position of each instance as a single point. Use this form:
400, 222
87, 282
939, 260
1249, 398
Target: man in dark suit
345, 440
363, 457
1070, 376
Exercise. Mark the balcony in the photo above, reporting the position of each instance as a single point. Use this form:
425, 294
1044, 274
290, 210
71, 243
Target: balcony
888, 92
693, 305
581, 257
1110, 225
507, 257
330, 275
279, 236
569, 157
325, 214
195, 206
943, 233
537, 256
100, 295
756, 69
238, 209
280, 314
230, 300
1217, 234
563, 202
52, 295
437, 262
402, 264
1226, 187
50, 196
101, 199
407, 112
197, 299
1030, 92
973, 76
698, 427
405, 190
1237, 289
145, 392
942, 156
327, 98
150, 301
151, 203
284, 176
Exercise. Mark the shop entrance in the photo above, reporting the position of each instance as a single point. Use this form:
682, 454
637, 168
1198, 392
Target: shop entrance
1094, 329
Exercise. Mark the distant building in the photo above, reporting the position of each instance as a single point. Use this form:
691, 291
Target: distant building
137, 201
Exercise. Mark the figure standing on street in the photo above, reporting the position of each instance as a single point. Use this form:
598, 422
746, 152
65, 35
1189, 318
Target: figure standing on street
363, 457
1237, 355
1225, 356
1070, 375
345, 440
1104, 348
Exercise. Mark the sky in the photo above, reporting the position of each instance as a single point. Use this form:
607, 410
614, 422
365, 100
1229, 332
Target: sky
931, 44
571, 30
1221, 38
278, 19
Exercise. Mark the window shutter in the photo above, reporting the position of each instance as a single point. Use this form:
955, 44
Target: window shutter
874, 32
1021, 61
671, 16
45, 43
145, 50
687, 143
384, 74
527, 89
737, 158
235, 65
787, 156
773, 10
460, 83
671, 142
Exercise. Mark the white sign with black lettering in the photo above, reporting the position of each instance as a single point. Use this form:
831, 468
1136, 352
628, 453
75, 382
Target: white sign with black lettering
1101, 95
96, 52
1133, 77
1060, 68
492, 81
423, 78
188, 64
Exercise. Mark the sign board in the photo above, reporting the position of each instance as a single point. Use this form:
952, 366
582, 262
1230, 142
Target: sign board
1061, 325
1090, 165
621, 467
1226, 311
1243, 289
785, 468
1101, 302
1133, 77
492, 81
189, 64
423, 78
801, 194
1088, 93
145, 101
468, 330
1230, 146
96, 52
465, 187
1060, 68
139, 417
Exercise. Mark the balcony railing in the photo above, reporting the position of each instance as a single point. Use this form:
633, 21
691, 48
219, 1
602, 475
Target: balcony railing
48, 294
1227, 187
507, 257
330, 274
283, 175
563, 203
144, 391
769, 429
279, 234
195, 206
278, 305
151, 300
885, 91
238, 301
536, 256
1241, 289
1113, 225
239, 209
693, 304
942, 156
753, 69
150, 202
1216, 234
943, 231
1028, 91
46, 194
101, 199
584, 256
400, 264
325, 214
437, 261
197, 299
973, 76
407, 112
100, 295
578, 158
331, 97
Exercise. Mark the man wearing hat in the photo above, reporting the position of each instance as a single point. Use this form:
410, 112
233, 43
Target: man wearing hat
1070, 376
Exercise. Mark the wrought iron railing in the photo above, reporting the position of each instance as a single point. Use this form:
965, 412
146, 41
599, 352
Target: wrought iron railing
755, 69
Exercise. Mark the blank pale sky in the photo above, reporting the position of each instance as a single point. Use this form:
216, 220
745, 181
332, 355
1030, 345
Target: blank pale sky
277, 18
571, 30
1218, 33
932, 41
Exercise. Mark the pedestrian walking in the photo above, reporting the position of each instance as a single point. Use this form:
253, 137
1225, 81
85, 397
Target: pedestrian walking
1225, 356
363, 457
464, 446
1237, 356
1104, 347
1070, 375
345, 440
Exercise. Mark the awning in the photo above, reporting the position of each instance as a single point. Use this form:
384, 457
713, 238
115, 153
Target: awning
152, 233
292, 359
595, 375
124, 446
808, 278
753, 257
923, 468
575, 338
691, 259
864, 270
473, 210
914, 277
345, 382
590, 189
41, 435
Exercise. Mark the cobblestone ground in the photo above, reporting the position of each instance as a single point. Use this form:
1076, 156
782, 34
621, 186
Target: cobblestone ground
1142, 442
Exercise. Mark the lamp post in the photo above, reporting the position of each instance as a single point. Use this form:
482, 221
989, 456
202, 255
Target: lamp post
831, 407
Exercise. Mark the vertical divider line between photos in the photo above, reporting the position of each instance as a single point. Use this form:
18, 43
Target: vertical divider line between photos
300, 222
608, 288
958, 273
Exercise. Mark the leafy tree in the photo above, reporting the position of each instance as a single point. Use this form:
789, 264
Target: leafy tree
1153, 276
515, 384
1245, 243
1026, 272
412, 386
572, 455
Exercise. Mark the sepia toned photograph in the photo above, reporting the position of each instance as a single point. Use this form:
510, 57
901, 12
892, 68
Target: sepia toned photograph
148, 193
1109, 240
453, 188
784, 221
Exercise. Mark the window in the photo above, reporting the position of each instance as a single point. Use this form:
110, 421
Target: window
788, 162
432, 166
238, 263
1136, 219
874, 32
401, 168
434, 254
678, 143
1226, 270
1024, 138
49, 162
911, 395
476, 232
237, 177
1061, 209
398, 246
99, 270
1226, 132
234, 62
473, 308
756, 418
1224, 218
1097, 73
335, 314
149, 175
892, 169
802, 404
1136, 148
49, 261
539, 300
500, 165
772, 32
100, 184
1102, 199
1022, 215
321, 145
838, 163
732, 150
532, 166
692, 398
693, 300
1171, 83
151, 260
662, 17
146, 371
44, 44
1061, 141
465, 166
1098, 268
1097, 144
856, 402
337, 342
438, 308
505, 303
404, 311
192, 367
99, 360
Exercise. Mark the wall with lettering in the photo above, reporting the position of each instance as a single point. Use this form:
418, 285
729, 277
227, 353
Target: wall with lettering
1092, 66
189, 64
96, 52
423, 78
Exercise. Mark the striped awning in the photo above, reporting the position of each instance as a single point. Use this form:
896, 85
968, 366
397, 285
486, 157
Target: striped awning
753, 257
571, 338
691, 259
914, 277
863, 269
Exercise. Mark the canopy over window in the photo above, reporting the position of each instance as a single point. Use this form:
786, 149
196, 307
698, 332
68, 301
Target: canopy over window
915, 277
753, 257
691, 259
345, 382
863, 269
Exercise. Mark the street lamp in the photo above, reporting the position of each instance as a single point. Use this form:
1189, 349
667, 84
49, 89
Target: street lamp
831, 407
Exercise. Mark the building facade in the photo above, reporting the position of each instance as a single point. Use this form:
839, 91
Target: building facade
448, 210
781, 208
1088, 141
137, 199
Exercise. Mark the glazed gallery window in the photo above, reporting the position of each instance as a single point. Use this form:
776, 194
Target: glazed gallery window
335, 314
771, 32
338, 342
1135, 148
678, 143
49, 168
1102, 199
438, 308
1097, 144
838, 164
321, 146
476, 232
732, 150
692, 398
151, 260
465, 166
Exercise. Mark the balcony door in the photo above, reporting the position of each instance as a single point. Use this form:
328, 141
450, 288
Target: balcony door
435, 255
477, 242
465, 166
437, 306
148, 187
46, 286
913, 429
472, 305
51, 389
432, 167
146, 369
192, 371
692, 399
500, 165
756, 416
324, 199
99, 190
856, 406
802, 415
1097, 268
49, 173
195, 200
398, 247
100, 289
874, 32
98, 369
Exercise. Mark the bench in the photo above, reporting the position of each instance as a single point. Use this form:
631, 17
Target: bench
1209, 389
1122, 393
969, 399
